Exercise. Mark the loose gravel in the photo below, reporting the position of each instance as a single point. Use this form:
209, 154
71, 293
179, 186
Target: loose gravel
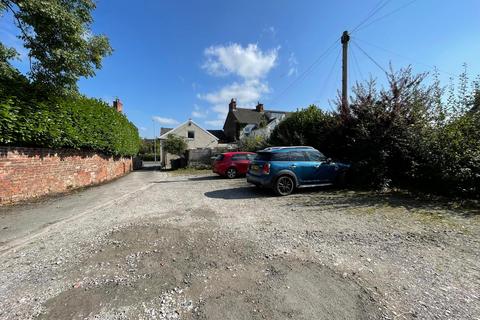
202, 247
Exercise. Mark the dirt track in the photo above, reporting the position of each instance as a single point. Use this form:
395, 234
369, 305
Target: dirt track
200, 247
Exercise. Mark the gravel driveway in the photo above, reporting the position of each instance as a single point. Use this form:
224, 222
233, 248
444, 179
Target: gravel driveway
202, 247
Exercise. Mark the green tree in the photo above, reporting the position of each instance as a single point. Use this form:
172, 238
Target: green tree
252, 143
60, 44
175, 145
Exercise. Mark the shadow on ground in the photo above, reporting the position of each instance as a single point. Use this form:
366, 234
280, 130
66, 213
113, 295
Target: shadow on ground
240, 193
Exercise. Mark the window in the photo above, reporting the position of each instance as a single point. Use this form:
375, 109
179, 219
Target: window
280, 156
238, 157
191, 134
297, 156
263, 156
220, 157
251, 157
315, 156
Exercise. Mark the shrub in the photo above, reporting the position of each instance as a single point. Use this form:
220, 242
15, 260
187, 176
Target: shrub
66, 122
406, 135
252, 143
175, 145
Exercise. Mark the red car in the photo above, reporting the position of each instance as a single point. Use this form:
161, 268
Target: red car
232, 164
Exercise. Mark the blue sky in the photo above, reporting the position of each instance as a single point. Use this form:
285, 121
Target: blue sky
175, 60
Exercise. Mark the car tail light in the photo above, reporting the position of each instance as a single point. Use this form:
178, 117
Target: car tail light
266, 168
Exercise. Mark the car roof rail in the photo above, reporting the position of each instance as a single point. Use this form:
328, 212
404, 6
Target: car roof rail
289, 147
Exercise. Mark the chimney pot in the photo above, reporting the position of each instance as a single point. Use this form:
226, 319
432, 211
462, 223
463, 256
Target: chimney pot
259, 107
118, 105
232, 105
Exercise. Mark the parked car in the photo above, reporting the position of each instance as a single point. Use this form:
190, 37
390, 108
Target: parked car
232, 164
285, 168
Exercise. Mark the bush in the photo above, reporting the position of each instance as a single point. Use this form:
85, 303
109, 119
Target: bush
175, 145
252, 143
405, 136
66, 122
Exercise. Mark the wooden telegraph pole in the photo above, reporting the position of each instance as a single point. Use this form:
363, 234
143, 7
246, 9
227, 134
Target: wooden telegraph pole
345, 38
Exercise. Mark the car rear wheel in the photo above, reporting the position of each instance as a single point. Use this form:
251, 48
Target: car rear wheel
284, 186
231, 173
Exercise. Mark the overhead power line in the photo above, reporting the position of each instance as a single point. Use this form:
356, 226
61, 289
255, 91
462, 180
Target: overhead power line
307, 71
379, 6
403, 56
330, 72
357, 65
386, 15
369, 57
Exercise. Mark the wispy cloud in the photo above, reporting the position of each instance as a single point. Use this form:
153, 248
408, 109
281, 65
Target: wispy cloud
215, 123
292, 65
199, 112
165, 121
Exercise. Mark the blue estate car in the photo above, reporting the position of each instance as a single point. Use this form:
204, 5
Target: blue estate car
285, 168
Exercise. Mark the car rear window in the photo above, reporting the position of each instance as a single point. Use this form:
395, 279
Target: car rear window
237, 157
220, 157
264, 156
280, 156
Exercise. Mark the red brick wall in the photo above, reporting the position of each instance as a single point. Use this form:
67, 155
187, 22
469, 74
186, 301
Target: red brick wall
27, 173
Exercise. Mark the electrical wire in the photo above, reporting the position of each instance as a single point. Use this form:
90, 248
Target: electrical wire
386, 15
307, 71
330, 72
379, 6
403, 56
369, 57
357, 64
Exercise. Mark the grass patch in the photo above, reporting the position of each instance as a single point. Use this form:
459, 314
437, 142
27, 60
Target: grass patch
189, 171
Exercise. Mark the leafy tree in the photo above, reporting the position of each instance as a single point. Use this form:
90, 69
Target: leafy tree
175, 145
252, 143
57, 34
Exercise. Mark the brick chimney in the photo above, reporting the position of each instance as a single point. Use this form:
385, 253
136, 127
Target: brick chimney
259, 107
232, 105
118, 105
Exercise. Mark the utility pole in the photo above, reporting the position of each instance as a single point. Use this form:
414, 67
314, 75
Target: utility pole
345, 38
154, 143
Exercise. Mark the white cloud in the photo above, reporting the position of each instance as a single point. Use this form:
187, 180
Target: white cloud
215, 123
292, 65
246, 93
199, 112
247, 62
165, 121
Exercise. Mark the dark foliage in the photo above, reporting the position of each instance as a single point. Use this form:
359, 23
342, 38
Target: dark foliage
405, 136
27, 119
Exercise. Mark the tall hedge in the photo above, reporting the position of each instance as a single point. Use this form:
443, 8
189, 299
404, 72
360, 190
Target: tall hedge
66, 122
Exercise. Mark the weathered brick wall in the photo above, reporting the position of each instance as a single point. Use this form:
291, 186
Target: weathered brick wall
27, 173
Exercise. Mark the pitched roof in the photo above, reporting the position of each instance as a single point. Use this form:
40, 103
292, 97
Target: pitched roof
165, 130
164, 136
220, 134
251, 116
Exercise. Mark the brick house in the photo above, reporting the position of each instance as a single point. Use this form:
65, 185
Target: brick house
244, 122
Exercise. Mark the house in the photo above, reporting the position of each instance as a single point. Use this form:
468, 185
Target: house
195, 136
242, 122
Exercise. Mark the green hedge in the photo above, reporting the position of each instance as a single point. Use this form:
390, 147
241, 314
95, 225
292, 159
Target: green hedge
79, 123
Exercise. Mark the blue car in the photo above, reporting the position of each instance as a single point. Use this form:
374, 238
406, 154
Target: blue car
285, 168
